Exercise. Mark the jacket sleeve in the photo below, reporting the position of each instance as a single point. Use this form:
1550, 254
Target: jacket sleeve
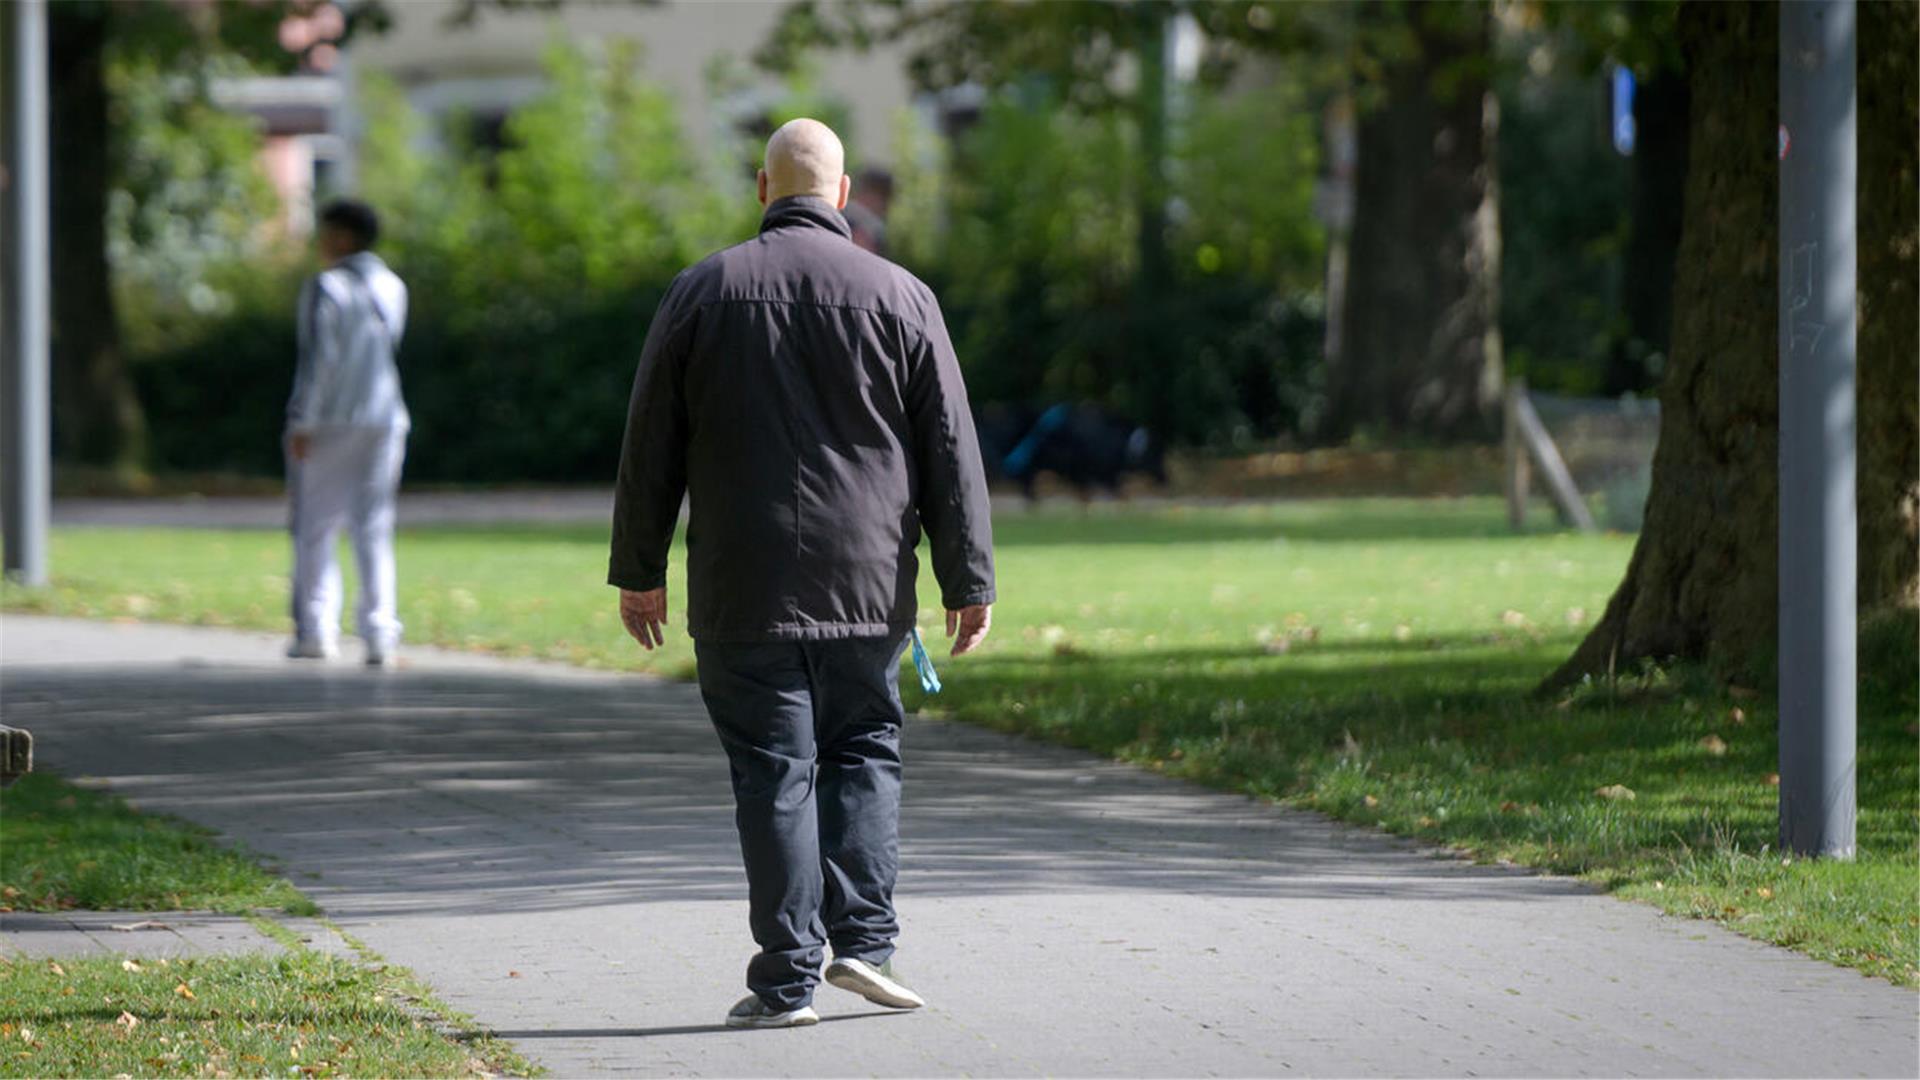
953, 485
653, 457
316, 337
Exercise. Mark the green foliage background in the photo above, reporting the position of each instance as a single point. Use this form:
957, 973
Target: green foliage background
535, 267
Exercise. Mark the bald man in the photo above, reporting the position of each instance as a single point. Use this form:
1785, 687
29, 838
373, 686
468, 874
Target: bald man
802, 394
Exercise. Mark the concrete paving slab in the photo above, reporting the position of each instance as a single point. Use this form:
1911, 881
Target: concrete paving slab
553, 851
155, 934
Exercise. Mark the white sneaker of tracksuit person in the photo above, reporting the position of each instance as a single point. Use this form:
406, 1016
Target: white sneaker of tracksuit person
346, 399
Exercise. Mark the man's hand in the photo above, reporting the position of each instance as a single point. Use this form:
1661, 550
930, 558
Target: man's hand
299, 445
645, 615
970, 623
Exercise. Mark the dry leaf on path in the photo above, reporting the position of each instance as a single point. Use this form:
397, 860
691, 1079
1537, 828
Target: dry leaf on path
143, 924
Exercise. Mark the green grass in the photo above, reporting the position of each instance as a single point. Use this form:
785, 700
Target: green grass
1371, 659
297, 1013
66, 846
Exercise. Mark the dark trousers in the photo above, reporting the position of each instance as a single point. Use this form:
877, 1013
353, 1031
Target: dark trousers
812, 734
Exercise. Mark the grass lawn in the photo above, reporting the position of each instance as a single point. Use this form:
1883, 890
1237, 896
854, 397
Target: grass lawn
299, 1013
66, 846
1371, 659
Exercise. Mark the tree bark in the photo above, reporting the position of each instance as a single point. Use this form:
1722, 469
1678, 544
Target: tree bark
1657, 193
1889, 342
97, 418
1702, 581
1421, 344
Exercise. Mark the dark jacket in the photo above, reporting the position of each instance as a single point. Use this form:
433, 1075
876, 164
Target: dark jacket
804, 395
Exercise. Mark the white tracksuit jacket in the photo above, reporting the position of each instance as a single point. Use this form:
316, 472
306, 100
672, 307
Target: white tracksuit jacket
351, 318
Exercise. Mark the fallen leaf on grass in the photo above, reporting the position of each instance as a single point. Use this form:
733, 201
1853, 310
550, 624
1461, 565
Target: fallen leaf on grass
128, 1020
1765, 893
1714, 744
1616, 791
55, 967
1737, 715
1513, 618
1371, 801
129, 965
1773, 779
184, 991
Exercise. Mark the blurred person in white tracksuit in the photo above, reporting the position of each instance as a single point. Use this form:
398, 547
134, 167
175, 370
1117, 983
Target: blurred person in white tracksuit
346, 435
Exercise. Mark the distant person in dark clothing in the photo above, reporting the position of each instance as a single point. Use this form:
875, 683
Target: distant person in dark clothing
803, 395
1084, 445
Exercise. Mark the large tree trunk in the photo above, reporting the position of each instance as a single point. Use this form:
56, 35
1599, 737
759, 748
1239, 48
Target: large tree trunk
1889, 343
1421, 345
1657, 194
96, 415
1702, 580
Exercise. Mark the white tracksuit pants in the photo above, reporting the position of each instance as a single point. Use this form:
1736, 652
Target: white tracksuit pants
348, 478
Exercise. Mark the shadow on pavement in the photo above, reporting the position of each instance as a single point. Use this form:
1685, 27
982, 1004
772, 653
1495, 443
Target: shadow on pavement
456, 792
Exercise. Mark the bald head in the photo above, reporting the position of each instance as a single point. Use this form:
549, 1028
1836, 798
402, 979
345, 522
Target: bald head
804, 157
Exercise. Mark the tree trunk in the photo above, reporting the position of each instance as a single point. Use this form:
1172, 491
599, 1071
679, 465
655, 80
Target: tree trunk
1421, 345
1702, 581
1889, 343
1658, 191
96, 415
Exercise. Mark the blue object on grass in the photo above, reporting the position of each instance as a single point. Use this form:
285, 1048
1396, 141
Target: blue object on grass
929, 679
1020, 459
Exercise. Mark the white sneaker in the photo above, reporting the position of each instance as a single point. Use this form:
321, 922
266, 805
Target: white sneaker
308, 649
875, 984
751, 1012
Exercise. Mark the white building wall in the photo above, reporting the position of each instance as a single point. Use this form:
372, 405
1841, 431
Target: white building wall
495, 63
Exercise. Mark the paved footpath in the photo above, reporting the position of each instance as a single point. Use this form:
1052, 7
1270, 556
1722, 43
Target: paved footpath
553, 851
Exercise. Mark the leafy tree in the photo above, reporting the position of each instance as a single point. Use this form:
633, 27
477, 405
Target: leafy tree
534, 270
1433, 366
1099, 241
97, 414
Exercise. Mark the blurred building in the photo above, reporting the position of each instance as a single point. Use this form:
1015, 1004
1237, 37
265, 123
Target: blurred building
479, 72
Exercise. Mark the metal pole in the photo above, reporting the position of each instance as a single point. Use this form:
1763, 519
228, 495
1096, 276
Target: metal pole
1817, 522
26, 383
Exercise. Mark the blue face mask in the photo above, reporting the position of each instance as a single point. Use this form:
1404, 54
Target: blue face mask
929, 679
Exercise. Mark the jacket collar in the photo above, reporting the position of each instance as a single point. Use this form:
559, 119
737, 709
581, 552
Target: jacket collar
808, 211
361, 261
